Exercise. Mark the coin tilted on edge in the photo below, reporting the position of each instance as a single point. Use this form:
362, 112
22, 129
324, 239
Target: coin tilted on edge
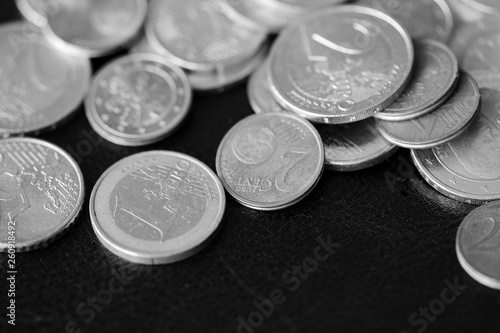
435, 77
39, 87
94, 28
356, 146
423, 19
441, 125
259, 92
41, 193
270, 161
138, 99
341, 65
478, 244
467, 168
157, 207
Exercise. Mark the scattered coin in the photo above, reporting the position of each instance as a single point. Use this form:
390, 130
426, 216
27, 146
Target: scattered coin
259, 92
478, 244
341, 65
39, 87
197, 35
41, 190
138, 99
468, 168
94, 28
434, 79
440, 126
270, 161
424, 19
157, 207
356, 146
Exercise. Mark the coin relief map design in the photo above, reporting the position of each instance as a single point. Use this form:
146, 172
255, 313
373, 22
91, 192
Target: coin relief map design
478, 244
270, 160
41, 191
341, 65
39, 86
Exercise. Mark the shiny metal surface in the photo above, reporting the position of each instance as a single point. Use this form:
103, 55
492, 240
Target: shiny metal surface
39, 86
441, 125
270, 161
35, 11
259, 92
157, 207
138, 99
94, 28
478, 244
435, 77
341, 64
41, 192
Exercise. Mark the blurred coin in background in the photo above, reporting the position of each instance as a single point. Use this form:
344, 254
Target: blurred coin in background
259, 92
39, 86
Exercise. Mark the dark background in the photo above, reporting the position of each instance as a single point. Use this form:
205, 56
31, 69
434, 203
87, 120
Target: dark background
396, 237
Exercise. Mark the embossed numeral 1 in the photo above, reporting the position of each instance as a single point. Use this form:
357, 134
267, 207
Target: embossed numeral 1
280, 180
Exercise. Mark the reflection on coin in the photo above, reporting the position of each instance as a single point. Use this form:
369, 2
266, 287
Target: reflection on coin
478, 244
94, 28
468, 167
197, 35
485, 6
434, 79
35, 10
270, 161
157, 207
39, 86
41, 193
259, 92
423, 19
138, 99
439, 126
477, 47
341, 64
355, 146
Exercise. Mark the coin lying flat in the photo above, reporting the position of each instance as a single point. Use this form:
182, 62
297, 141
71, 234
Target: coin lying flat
198, 36
41, 193
94, 28
424, 19
434, 79
138, 99
157, 207
435, 128
478, 244
356, 146
34, 11
259, 92
468, 168
270, 161
39, 87
340, 65
477, 48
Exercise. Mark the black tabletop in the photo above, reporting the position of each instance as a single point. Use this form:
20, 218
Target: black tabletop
368, 251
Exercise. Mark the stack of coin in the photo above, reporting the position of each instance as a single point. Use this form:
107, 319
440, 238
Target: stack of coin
214, 49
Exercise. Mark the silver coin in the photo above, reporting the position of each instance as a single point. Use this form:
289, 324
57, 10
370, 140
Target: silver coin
259, 92
35, 11
341, 64
94, 28
441, 125
478, 244
39, 87
197, 35
491, 7
138, 99
424, 19
463, 13
477, 47
434, 79
468, 168
270, 161
355, 146
157, 207
41, 193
